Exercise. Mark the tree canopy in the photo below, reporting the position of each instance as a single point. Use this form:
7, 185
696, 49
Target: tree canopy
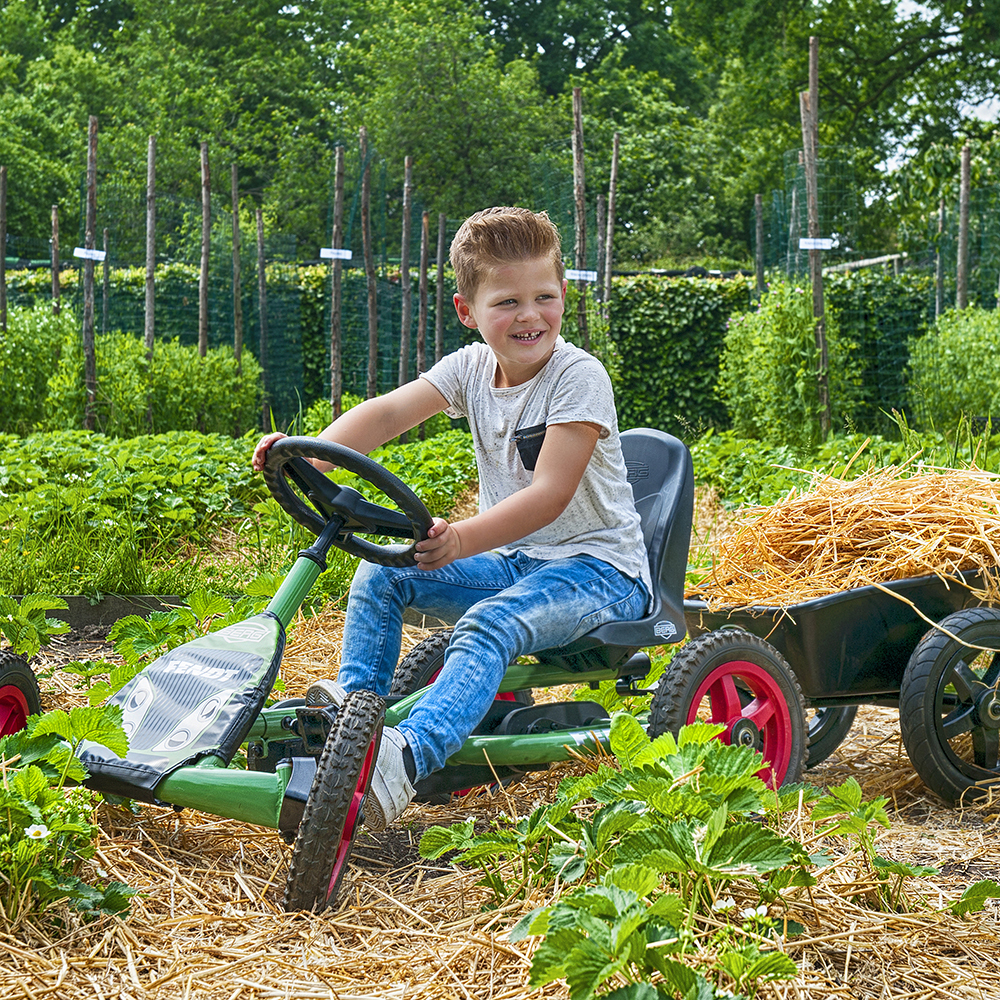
703, 94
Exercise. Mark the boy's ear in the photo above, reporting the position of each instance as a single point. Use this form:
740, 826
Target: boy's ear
464, 311
565, 285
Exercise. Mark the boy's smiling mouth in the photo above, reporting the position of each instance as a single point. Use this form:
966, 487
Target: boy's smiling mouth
527, 336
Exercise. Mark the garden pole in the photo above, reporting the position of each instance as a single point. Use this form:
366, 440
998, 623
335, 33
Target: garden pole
56, 288
105, 283
609, 237
602, 222
404, 277
150, 247
89, 358
425, 239
206, 236
809, 109
336, 347
265, 421
581, 217
758, 206
962, 278
939, 265
439, 291
237, 278
3, 249
366, 239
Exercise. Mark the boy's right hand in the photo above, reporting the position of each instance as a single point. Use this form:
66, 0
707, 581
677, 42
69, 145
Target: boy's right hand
260, 452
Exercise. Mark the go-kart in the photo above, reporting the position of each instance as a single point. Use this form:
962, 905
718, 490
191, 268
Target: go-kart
310, 760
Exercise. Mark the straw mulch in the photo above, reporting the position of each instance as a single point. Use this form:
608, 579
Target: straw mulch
888, 524
208, 922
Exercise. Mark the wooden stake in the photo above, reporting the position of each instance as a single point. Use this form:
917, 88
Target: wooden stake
150, 246
3, 249
939, 265
758, 204
336, 348
265, 423
56, 285
962, 278
809, 109
89, 357
439, 291
602, 221
609, 237
105, 284
206, 237
366, 240
425, 250
404, 276
579, 194
237, 278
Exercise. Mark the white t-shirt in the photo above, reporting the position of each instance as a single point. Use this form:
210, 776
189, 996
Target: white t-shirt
601, 519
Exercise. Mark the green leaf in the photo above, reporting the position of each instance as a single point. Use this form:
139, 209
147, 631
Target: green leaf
628, 738
975, 897
438, 840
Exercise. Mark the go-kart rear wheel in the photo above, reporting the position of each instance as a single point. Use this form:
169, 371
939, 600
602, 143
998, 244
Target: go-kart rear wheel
333, 811
826, 729
710, 678
949, 705
19, 694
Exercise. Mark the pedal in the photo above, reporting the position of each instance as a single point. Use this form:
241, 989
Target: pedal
313, 724
552, 718
625, 688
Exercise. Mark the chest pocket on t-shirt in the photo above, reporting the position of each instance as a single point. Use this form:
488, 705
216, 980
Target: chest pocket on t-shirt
529, 444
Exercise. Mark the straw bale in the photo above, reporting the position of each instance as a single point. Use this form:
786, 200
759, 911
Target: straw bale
887, 524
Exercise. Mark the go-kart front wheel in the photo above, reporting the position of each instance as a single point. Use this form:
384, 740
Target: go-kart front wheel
19, 694
740, 681
949, 705
333, 811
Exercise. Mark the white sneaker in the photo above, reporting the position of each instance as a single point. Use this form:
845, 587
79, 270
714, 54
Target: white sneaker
391, 791
325, 692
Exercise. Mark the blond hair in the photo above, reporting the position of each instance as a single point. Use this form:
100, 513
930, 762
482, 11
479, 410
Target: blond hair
498, 236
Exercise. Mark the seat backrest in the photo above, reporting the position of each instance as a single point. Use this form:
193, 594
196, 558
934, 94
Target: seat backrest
662, 477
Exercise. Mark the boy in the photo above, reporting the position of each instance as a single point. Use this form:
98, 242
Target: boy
557, 547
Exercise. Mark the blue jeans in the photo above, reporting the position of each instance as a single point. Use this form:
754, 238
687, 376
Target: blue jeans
504, 606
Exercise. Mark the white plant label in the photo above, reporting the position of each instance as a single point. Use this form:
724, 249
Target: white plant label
88, 254
335, 253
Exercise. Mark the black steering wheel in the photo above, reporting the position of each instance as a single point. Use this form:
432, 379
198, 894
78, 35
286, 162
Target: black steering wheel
286, 464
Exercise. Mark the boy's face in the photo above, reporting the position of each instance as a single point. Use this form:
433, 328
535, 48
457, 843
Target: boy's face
518, 311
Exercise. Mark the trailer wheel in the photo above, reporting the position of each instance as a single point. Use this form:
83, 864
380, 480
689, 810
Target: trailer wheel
19, 694
949, 705
736, 679
333, 811
826, 729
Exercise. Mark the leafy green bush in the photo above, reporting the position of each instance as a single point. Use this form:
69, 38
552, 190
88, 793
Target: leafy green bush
178, 391
954, 369
669, 333
29, 350
47, 833
767, 374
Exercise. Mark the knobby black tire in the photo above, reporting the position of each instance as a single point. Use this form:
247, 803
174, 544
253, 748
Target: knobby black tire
951, 747
710, 653
826, 730
19, 692
326, 834
418, 668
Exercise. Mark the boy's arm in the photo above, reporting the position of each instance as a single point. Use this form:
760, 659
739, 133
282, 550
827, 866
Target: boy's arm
561, 463
373, 422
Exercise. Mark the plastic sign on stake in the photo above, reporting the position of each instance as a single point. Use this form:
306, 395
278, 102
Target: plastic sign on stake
573, 275
88, 253
815, 243
334, 253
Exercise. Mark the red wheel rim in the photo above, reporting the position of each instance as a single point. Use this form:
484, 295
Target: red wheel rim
351, 822
768, 711
14, 710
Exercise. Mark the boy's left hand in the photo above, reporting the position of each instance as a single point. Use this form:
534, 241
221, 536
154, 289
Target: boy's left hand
441, 546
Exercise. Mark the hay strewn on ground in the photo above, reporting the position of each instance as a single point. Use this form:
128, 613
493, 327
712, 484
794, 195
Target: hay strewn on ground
888, 524
208, 923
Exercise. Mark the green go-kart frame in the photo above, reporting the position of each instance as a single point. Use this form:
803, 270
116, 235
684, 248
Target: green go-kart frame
310, 760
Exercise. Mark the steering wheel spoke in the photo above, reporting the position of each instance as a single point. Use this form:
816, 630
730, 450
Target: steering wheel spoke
286, 466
